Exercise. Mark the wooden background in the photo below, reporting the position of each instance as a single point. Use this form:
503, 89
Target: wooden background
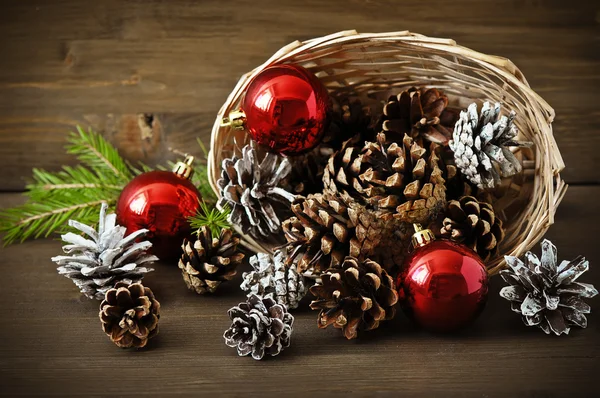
151, 75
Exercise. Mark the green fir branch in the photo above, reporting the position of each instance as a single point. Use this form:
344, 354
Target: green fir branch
213, 218
76, 180
40, 219
97, 153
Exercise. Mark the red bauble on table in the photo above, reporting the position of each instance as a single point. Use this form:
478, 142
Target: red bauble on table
160, 201
285, 108
443, 285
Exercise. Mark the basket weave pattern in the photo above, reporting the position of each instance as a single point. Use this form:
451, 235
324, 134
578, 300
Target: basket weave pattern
372, 66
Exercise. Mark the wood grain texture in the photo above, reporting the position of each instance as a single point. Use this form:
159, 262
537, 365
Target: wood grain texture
69, 58
111, 64
51, 342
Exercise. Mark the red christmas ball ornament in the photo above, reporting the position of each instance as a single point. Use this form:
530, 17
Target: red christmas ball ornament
285, 109
443, 285
160, 201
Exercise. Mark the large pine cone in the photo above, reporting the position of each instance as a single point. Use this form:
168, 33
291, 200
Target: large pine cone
481, 143
545, 292
355, 296
404, 178
129, 315
420, 113
259, 326
207, 262
327, 228
252, 187
474, 224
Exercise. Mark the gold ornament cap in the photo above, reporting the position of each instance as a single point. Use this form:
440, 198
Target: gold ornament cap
422, 237
184, 168
236, 120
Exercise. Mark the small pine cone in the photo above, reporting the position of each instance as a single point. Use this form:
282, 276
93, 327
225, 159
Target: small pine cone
406, 178
253, 188
327, 228
355, 296
271, 276
207, 262
259, 326
481, 143
129, 315
420, 113
546, 293
96, 263
474, 224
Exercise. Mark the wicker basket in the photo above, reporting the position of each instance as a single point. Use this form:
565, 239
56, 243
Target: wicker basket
370, 66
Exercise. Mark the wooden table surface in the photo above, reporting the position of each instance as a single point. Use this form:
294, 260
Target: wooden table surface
103, 63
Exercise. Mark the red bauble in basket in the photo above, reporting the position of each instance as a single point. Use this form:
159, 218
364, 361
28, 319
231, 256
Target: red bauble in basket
285, 108
160, 201
443, 285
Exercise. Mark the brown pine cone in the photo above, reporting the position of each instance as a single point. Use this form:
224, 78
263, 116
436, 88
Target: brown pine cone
327, 228
403, 177
357, 295
421, 113
207, 261
129, 315
474, 224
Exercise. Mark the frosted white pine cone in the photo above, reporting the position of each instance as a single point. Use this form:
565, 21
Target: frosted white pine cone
271, 277
481, 143
252, 186
96, 263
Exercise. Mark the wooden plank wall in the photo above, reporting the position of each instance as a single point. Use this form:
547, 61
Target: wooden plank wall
120, 66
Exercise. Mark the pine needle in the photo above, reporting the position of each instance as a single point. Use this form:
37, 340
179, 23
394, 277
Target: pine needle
212, 218
71, 181
97, 153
